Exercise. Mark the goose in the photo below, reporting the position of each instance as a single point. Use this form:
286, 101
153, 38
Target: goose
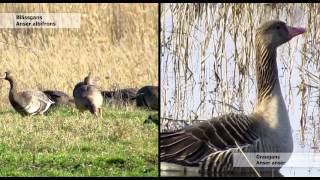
59, 98
148, 96
26, 102
208, 147
120, 96
88, 97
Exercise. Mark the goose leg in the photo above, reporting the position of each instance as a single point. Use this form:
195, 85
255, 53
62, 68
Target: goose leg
96, 114
100, 112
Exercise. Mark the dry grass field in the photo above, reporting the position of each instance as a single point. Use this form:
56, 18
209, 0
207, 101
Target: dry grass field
118, 43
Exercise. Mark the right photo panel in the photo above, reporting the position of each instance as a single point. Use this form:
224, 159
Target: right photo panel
240, 90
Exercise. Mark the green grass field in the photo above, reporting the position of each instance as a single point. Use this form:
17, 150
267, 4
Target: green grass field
63, 143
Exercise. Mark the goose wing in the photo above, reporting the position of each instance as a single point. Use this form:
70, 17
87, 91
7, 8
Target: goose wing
127, 94
59, 97
39, 95
35, 102
106, 94
191, 145
55, 94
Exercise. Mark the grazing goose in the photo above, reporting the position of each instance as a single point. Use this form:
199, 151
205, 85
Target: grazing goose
59, 98
88, 97
208, 147
148, 96
26, 102
121, 96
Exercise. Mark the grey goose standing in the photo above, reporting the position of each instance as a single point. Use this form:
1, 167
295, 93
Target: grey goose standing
207, 147
148, 96
88, 97
26, 102
59, 98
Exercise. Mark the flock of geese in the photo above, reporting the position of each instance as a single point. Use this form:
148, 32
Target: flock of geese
86, 97
208, 147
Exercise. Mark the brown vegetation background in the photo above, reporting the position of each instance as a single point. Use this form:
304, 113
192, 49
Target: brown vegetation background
118, 43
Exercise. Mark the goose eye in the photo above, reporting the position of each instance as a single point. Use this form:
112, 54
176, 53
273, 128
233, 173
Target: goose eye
278, 27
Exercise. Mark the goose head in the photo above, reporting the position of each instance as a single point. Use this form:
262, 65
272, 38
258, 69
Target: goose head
7, 76
275, 33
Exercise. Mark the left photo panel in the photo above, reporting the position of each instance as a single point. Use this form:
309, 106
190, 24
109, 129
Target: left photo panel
79, 93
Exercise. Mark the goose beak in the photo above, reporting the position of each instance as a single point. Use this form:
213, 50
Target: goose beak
3, 77
294, 31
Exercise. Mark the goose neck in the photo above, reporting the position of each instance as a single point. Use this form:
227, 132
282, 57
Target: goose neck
13, 86
266, 71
